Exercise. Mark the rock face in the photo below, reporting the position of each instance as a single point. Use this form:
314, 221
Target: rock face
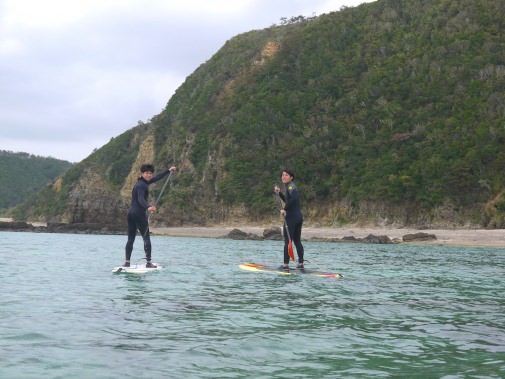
237, 234
92, 201
275, 233
371, 238
82, 228
16, 226
78, 228
418, 237
145, 155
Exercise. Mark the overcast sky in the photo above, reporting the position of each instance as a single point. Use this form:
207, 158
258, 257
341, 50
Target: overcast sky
75, 73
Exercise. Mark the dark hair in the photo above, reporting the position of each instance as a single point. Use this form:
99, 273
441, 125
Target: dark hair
147, 167
290, 172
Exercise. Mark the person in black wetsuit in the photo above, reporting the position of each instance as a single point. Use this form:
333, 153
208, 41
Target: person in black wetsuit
293, 214
137, 217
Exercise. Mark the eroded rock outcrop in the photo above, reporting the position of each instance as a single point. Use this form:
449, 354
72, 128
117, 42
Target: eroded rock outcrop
419, 237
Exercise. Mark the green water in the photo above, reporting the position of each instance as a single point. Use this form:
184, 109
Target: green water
399, 312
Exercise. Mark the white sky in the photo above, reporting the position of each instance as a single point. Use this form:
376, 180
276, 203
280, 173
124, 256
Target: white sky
75, 73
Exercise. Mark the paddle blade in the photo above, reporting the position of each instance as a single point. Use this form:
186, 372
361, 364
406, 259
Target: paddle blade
290, 250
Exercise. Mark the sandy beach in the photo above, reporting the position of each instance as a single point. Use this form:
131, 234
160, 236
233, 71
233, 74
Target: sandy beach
445, 237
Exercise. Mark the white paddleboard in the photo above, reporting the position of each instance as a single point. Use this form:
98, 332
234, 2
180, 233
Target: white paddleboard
135, 269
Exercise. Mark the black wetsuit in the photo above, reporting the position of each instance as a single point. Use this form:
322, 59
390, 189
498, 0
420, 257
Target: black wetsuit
137, 217
294, 221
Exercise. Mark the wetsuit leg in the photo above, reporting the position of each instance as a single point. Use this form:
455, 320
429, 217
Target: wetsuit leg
143, 226
297, 240
147, 245
138, 221
132, 231
286, 243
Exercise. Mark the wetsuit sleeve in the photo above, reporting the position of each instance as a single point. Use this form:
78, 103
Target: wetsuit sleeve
159, 177
141, 196
292, 202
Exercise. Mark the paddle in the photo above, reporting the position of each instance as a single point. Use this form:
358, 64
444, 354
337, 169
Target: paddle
157, 200
161, 193
290, 243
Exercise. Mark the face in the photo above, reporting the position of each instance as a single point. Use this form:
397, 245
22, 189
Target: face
147, 175
286, 178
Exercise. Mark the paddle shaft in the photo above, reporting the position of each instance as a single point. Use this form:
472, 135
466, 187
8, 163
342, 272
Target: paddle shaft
163, 189
158, 199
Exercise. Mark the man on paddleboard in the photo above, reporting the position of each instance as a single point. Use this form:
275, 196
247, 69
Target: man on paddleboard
293, 216
137, 215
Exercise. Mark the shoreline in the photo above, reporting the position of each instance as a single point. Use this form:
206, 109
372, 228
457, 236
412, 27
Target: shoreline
464, 237
445, 237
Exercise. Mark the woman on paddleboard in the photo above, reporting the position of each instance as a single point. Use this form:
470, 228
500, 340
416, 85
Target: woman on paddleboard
137, 215
293, 217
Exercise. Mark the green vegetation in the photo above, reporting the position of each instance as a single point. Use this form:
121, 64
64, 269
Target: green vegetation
389, 102
394, 103
23, 175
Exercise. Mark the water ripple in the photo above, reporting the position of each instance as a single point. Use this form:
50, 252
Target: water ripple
400, 311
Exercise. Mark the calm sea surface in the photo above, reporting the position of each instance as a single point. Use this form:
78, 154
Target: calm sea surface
399, 312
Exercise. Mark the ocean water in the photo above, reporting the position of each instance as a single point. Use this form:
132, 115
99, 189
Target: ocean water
399, 312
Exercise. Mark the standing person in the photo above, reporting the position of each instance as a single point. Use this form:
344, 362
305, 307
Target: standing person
293, 215
137, 217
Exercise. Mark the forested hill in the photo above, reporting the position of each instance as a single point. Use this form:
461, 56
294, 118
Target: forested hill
389, 112
23, 175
